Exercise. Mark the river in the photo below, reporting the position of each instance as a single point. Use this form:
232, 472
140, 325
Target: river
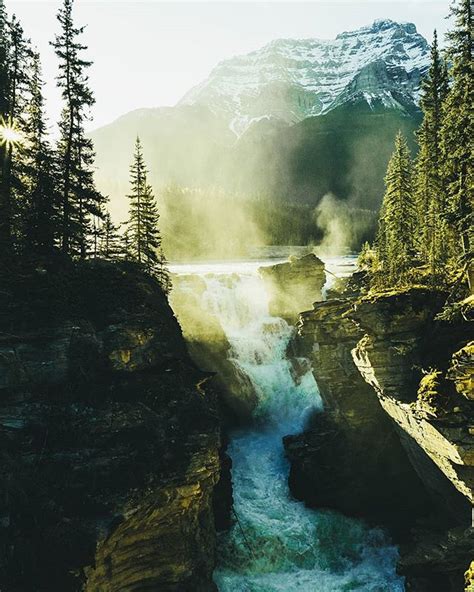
277, 544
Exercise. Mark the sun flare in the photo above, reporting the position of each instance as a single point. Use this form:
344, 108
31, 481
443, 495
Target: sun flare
9, 134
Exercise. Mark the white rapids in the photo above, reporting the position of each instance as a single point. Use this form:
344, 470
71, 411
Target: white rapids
277, 544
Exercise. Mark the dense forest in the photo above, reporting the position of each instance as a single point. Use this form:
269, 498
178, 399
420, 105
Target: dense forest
425, 230
49, 204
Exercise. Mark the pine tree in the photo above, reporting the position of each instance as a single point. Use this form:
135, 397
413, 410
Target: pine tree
41, 213
5, 215
458, 131
110, 246
431, 224
18, 53
136, 220
395, 240
142, 236
80, 199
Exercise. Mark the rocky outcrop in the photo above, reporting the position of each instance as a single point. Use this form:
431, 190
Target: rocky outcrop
294, 285
401, 339
209, 347
109, 435
353, 436
422, 373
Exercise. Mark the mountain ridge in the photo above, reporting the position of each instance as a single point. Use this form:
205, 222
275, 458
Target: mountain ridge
291, 79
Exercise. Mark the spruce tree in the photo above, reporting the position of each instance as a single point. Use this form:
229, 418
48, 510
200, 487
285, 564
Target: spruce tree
457, 134
5, 215
18, 53
152, 239
80, 199
143, 240
41, 212
431, 224
136, 219
110, 246
396, 248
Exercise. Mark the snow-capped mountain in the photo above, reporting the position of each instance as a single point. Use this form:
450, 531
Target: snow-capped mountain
291, 79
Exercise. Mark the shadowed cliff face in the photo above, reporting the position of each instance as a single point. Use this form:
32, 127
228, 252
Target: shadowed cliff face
417, 391
110, 438
421, 370
370, 474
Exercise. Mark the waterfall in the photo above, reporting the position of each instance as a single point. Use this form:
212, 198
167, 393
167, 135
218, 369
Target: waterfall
277, 544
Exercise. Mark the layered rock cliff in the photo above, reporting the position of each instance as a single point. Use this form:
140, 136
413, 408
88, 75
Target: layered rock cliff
421, 369
416, 391
350, 457
109, 435
294, 285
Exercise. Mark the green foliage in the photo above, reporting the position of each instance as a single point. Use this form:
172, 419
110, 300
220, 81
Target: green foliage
395, 241
41, 216
110, 245
80, 199
433, 243
143, 239
432, 227
457, 132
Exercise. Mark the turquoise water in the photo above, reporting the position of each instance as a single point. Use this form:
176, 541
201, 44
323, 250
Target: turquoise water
277, 544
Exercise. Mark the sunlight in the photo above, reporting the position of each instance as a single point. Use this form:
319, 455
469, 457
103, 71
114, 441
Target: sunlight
9, 134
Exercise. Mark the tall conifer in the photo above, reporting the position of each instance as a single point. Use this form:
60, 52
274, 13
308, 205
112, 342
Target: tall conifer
432, 230
41, 212
396, 247
457, 133
80, 199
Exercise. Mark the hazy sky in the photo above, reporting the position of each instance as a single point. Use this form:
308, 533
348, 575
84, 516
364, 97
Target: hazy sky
148, 54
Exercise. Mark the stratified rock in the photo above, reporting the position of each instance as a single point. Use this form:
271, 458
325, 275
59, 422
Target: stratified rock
389, 357
350, 458
436, 561
461, 371
209, 347
294, 286
109, 435
434, 421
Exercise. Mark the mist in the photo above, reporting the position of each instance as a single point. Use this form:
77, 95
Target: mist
344, 226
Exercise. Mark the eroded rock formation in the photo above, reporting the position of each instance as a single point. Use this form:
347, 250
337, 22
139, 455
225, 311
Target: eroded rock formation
420, 370
110, 438
369, 473
294, 285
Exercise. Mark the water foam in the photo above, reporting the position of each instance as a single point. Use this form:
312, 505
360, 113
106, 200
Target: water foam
277, 544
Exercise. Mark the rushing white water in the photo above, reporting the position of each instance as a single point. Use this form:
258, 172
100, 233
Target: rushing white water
276, 543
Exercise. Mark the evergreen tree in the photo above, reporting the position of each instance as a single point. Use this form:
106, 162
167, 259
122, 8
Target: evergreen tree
13, 130
5, 216
431, 224
41, 214
136, 220
110, 242
152, 238
457, 133
395, 241
142, 236
80, 199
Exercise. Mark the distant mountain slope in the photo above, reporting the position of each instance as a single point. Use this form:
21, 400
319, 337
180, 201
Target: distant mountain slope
294, 120
291, 79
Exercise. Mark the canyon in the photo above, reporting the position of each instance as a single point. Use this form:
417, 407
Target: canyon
290, 429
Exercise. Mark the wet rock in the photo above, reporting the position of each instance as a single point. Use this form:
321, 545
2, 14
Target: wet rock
402, 337
294, 285
350, 457
209, 347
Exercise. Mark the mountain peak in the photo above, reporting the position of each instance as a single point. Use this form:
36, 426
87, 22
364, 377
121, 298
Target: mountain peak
290, 79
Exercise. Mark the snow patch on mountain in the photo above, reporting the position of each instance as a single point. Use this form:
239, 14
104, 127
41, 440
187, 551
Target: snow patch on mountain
291, 79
